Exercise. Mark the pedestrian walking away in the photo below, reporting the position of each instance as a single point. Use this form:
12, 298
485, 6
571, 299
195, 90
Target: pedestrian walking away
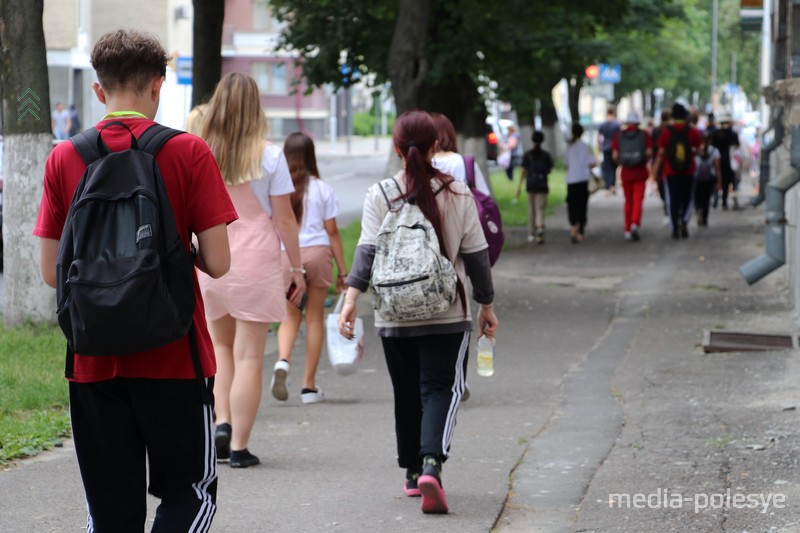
425, 356
656, 172
514, 148
142, 413
315, 209
579, 161
448, 160
536, 166
632, 148
727, 141
606, 132
241, 306
677, 146
707, 179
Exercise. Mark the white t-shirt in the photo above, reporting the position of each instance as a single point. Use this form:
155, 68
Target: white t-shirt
319, 205
452, 164
578, 158
276, 179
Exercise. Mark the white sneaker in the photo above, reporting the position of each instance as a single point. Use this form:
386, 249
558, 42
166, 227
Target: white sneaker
313, 396
278, 385
531, 238
627, 235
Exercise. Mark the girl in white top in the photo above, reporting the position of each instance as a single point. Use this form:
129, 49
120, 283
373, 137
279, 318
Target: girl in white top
315, 209
448, 160
579, 160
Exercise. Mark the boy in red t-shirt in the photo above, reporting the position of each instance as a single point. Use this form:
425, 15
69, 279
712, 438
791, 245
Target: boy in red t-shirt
145, 406
634, 171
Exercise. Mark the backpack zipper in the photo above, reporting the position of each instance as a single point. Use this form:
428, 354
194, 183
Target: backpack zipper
404, 282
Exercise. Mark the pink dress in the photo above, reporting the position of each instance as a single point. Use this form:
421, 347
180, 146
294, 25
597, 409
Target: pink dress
253, 288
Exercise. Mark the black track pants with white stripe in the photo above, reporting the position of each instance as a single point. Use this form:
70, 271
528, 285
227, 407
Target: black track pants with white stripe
428, 379
124, 425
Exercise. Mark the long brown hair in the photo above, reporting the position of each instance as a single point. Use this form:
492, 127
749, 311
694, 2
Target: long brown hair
414, 136
235, 128
301, 157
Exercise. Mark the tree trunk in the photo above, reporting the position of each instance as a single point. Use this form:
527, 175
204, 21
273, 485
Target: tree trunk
206, 48
407, 64
554, 141
27, 143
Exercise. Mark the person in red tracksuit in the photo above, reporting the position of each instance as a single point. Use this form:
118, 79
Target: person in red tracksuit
634, 175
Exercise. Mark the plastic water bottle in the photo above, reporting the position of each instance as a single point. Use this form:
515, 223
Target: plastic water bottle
485, 356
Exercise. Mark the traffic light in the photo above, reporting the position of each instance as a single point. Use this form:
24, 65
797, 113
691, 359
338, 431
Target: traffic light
592, 71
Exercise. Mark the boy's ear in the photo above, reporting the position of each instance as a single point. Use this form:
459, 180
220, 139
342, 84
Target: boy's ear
155, 88
99, 92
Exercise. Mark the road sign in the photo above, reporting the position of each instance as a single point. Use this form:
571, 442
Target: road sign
610, 73
183, 67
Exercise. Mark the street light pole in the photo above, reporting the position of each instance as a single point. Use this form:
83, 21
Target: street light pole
714, 24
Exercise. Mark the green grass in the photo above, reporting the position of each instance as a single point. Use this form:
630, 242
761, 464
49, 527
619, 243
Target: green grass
33, 391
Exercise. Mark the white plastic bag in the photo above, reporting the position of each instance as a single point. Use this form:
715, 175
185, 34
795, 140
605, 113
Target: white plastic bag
344, 354
504, 159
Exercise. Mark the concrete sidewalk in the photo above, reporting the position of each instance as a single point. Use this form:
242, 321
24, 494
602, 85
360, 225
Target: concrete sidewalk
600, 388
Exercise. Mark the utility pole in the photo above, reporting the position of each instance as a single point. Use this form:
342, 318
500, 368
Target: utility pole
714, 29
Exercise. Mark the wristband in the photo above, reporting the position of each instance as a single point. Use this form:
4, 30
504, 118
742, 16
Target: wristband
301, 270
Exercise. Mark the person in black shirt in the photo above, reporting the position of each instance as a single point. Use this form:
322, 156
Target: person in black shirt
725, 140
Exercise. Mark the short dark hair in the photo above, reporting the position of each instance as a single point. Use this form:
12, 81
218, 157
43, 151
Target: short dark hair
537, 137
128, 59
679, 112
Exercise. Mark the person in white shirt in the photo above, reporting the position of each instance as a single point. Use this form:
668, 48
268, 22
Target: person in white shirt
579, 160
448, 160
315, 208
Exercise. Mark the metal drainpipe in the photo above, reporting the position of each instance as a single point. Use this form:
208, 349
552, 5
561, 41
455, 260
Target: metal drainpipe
767, 149
774, 254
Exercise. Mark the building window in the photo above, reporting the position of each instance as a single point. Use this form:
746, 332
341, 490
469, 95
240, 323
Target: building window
271, 77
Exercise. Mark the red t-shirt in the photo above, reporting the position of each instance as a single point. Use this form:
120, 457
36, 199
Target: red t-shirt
199, 200
695, 141
639, 173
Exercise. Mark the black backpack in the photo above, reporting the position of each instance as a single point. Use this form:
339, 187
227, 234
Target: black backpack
679, 151
124, 278
632, 148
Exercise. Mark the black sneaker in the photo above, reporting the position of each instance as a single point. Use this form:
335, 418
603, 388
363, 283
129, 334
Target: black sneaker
222, 440
410, 487
684, 231
243, 459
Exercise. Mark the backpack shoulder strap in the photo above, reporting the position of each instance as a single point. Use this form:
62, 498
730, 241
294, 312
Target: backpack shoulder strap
85, 144
469, 167
155, 137
392, 194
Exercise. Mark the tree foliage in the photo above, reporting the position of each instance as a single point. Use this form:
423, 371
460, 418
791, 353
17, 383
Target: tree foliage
516, 50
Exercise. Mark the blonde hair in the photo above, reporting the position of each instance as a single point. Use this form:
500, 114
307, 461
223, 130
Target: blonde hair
235, 128
194, 122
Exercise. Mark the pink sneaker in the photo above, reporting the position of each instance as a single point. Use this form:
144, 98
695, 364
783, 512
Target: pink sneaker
433, 498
